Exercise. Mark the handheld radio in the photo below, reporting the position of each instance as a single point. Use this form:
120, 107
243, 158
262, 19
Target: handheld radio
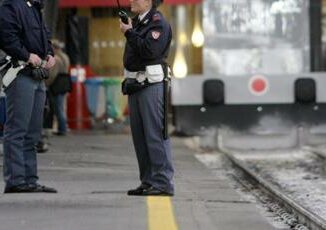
122, 14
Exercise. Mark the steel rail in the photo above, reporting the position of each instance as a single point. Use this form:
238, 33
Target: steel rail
316, 151
306, 217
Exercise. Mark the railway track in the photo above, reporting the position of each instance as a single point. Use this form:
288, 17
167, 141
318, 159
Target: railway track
319, 152
297, 215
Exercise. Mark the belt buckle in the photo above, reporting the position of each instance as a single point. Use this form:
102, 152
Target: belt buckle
141, 76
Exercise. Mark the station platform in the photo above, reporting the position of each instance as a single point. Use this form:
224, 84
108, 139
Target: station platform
93, 171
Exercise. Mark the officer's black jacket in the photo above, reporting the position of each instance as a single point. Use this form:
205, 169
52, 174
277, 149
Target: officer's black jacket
148, 42
22, 30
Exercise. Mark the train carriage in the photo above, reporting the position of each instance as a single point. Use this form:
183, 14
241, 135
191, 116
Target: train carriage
262, 60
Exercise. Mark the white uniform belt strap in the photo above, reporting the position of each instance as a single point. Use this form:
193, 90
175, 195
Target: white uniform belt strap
129, 74
154, 73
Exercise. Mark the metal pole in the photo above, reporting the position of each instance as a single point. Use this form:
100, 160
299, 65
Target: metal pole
51, 15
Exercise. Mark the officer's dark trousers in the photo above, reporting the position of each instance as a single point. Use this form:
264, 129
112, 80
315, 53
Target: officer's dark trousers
153, 152
25, 104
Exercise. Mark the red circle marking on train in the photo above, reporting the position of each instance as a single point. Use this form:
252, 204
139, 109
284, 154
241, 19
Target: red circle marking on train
258, 85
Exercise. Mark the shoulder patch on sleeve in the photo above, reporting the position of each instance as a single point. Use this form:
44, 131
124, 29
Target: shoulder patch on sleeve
156, 17
156, 34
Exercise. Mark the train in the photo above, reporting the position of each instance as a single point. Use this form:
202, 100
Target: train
263, 63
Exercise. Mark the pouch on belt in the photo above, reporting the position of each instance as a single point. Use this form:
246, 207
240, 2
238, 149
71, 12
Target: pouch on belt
9, 73
154, 73
135, 82
131, 86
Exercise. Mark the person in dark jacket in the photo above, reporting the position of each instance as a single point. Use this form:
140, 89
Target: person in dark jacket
24, 37
148, 41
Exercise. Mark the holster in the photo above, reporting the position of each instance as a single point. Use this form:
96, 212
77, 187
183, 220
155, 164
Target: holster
131, 86
36, 73
39, 73
4, 69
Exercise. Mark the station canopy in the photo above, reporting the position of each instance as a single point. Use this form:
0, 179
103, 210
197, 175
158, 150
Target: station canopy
113, 3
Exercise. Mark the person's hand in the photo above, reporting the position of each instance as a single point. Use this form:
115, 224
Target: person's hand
34, 60
125, 27
50, 62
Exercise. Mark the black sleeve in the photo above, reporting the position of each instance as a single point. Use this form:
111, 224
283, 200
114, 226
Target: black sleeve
153, 45
10, 30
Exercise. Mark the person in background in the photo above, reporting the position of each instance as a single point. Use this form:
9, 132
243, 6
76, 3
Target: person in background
60, 86
48, 115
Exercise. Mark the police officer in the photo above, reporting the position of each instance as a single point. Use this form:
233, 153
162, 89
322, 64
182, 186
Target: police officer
23, 36
148, 37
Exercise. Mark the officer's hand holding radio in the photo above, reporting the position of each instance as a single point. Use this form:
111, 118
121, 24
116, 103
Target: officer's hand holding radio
125, 21
124, 27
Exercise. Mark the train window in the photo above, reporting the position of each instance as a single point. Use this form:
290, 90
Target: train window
250, 36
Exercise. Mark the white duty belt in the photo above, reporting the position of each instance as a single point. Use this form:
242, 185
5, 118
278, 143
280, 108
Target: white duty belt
153, 73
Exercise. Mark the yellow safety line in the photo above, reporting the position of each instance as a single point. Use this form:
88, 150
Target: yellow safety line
160, 214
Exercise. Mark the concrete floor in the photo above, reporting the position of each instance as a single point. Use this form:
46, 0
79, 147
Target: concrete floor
92, 173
